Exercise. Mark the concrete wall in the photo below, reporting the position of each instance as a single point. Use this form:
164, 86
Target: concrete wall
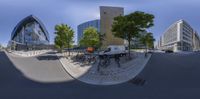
107, 15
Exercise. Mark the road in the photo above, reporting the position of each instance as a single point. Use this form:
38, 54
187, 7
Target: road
44, 68
167, 76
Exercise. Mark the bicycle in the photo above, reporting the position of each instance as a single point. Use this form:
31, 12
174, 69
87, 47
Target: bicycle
104, 61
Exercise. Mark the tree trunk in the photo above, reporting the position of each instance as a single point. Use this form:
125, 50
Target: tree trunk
145, 50
129, 49
60, 50
69, 52
69, 49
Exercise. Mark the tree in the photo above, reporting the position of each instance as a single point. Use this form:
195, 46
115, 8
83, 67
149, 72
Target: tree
129, 26
101, 39
1, 46
64, 37
90, 38
148, 41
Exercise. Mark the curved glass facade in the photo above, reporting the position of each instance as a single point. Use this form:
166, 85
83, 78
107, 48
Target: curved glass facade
83, 26
30, 31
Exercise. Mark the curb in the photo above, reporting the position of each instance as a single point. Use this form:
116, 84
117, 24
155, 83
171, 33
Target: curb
30, 55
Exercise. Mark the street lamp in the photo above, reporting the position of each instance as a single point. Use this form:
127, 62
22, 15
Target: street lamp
26, 44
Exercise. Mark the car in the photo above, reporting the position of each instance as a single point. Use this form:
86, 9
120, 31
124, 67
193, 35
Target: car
116, 49
169, 51
150, 51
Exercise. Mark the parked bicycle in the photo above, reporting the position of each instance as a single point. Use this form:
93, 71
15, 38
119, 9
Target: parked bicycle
104, 61
86, 58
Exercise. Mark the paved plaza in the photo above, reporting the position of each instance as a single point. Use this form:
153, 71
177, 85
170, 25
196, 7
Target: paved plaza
112, 74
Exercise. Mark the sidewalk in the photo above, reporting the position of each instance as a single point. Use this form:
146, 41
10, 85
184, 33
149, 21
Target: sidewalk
106, 76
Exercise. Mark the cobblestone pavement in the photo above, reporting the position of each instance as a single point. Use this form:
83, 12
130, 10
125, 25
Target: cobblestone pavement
108, 75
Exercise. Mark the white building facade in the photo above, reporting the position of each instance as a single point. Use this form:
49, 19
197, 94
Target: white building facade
180, 36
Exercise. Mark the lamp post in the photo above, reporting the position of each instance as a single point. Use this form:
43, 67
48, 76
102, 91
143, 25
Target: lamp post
26, 44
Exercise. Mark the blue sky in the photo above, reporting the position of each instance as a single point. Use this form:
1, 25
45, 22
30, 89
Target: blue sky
75, 12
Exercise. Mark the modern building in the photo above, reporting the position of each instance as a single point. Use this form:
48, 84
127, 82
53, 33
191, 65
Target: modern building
83, 26
159, 43
180, 36
29, 32
196, 41
107, 15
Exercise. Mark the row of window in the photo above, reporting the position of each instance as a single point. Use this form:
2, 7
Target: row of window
186, 38
32, 34
187, 34
187, 27
170, 35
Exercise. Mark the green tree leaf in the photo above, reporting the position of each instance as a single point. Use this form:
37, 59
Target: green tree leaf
64, 36
129, 26
90, 38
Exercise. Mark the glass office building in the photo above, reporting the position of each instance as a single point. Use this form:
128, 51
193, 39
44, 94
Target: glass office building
30, 31
83, 26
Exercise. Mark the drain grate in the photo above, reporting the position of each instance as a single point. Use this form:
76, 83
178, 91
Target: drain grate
138, 81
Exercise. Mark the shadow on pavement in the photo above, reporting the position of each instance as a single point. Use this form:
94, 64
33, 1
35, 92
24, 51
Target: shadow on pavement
14, 85
166, 77
48, 56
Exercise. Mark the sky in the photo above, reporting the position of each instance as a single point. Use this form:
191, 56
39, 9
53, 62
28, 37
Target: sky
75, 12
